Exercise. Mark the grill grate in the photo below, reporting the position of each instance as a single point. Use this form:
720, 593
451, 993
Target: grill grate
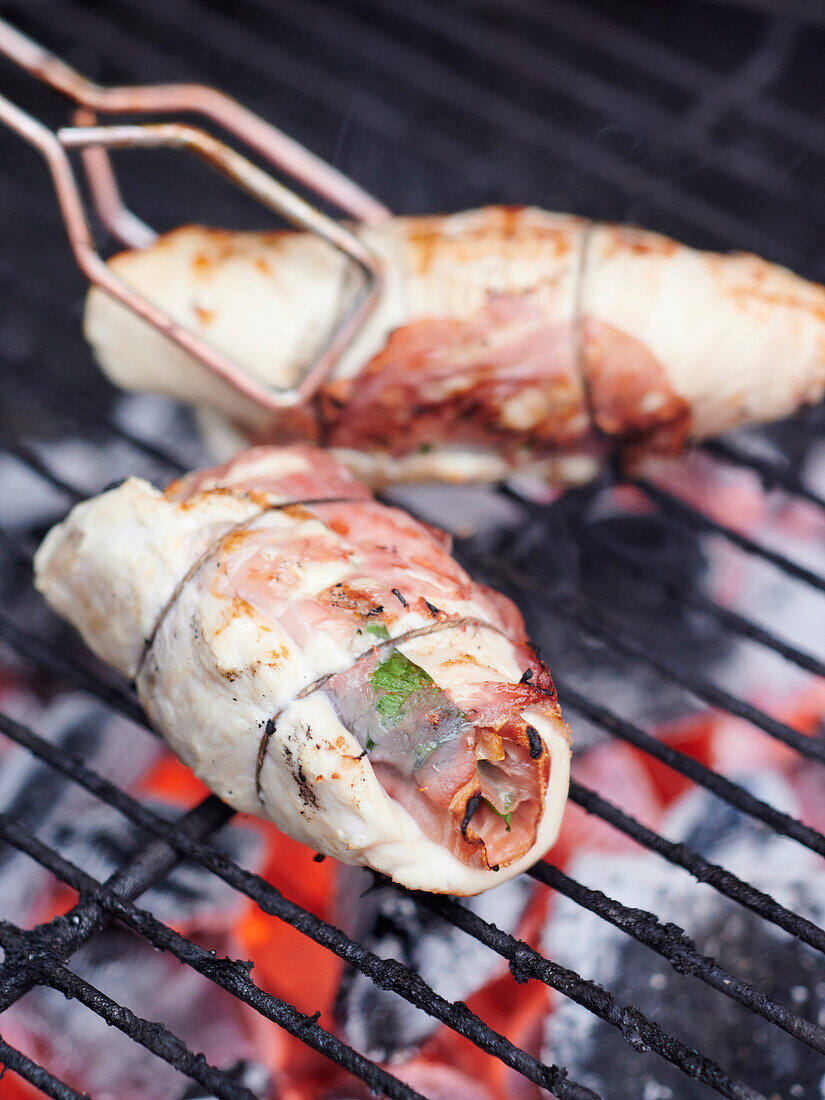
409, 93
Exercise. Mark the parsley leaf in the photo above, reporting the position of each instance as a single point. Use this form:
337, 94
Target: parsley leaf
395, 680
505, 816
378, 630
424, 751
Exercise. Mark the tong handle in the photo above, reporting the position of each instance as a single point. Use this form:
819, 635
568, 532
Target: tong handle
282, 151
227, 161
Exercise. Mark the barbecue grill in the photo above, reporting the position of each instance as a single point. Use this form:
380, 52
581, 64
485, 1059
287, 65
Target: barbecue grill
700, 119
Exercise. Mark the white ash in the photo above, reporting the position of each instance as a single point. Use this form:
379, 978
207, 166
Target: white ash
466, 511
693, 642
90, 464
96, 837
91, 834
815, 468
44, 801
166, 424
103, 840
83, 1049
380, 1024
249, 1075
27, 498
752, 949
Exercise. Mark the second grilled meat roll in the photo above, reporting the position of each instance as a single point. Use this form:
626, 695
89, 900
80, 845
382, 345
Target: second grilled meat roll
505, 340
320, 659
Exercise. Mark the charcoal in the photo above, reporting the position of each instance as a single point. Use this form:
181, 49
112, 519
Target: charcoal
103, 840
81, 1047
250, 1075
379, 1023
46, 802
789, 971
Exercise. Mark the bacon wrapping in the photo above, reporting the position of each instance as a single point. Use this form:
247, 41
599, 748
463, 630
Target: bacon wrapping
319, 659
506, 340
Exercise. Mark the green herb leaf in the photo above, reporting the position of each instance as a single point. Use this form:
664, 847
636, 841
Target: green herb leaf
370, 744
507, 817
395, 680
424, 751
378, 630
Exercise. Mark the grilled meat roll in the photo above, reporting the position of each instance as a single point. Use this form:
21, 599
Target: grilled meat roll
319, 659
505, 340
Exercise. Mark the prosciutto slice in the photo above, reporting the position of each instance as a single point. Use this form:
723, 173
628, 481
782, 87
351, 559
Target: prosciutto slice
320, 659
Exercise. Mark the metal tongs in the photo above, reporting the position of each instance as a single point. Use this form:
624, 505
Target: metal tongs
277, 148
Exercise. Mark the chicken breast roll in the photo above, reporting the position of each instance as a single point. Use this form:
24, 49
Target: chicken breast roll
505, 340
319, 659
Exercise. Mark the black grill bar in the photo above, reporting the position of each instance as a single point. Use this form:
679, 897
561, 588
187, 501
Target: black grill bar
595, 622
229, 974
19, 547
771, 475
686, 594
35, 372
88, 417
279, 68
723, 788
614, 39
35, 382
671, 942
11, 1058
592, 620
388, 974
717, 877
153, 1036
274, 66
81, 406
709, 692
711, 873
585, 615
692, 519
66, 934
80, 411
44, 655
735, 795
683, 515
30, 458
37, 379
527, 62
439, 140
525, 963
624, 642
798, 9
271, 901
